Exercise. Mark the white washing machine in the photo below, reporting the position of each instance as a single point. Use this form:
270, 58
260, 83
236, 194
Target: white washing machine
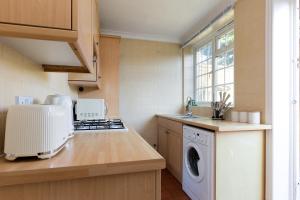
198, 163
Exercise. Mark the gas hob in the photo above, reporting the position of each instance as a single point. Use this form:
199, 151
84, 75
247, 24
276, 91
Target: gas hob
102, 124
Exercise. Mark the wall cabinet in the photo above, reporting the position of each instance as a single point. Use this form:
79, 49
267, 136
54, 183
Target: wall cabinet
89, 79
109, 75
52, 13
106, 60
170, 145
92, 79
67, 26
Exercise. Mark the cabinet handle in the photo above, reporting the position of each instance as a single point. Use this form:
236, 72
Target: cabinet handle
167, 132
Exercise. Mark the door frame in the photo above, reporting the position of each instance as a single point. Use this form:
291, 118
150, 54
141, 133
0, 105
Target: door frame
282, 100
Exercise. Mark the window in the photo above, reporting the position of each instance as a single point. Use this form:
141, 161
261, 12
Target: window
214, 67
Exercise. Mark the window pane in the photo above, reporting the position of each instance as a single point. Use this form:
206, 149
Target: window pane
209, 94
198, 57
198, 82
198, 71
220, 62
204, 67
219, 77
204, 95
218, 89
221, 42
198, 97
229, 75
229, 89
204, 53
209, 65
229, 58
204, 81
230, 38
209, 48
209, 79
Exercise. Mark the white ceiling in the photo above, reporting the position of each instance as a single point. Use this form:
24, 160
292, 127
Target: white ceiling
161, 20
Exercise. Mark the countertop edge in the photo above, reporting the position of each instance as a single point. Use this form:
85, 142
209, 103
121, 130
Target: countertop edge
238, 126
157, 162
69, 173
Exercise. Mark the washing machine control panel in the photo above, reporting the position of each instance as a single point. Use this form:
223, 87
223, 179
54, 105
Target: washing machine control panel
197, 137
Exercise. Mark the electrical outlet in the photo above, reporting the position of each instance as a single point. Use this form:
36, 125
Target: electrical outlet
22, 100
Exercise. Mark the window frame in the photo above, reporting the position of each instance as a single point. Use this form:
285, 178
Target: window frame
213, 39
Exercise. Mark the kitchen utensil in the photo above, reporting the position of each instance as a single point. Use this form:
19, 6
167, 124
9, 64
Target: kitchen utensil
221, 107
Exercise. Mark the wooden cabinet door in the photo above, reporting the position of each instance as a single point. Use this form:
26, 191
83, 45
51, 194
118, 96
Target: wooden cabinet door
95, 18
174, 151
42, 13
84, 44
163, 142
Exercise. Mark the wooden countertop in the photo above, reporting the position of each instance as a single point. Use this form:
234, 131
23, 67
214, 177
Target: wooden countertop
217, 125
86, 155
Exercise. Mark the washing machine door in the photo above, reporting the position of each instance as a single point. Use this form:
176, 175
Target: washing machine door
194, 162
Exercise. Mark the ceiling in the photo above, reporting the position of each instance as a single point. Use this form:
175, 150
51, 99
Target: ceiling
161, 20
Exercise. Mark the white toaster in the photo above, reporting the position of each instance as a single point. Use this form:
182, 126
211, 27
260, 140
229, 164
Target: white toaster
35, 130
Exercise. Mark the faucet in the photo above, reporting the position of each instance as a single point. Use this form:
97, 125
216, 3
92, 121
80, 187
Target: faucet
188, 107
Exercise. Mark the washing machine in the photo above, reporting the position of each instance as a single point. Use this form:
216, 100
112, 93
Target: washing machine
198, 180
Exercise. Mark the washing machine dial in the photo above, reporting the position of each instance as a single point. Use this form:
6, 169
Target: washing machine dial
194, 137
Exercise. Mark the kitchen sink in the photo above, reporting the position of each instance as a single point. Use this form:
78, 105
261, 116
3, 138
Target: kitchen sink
187, 116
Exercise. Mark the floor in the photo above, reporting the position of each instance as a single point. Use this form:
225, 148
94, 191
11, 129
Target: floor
171, 188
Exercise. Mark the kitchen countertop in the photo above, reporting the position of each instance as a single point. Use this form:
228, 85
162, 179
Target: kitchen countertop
217, 125
86, 155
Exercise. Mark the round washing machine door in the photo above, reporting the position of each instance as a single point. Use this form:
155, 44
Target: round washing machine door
194, 162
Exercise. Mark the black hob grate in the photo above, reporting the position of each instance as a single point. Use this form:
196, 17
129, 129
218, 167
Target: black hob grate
101, 124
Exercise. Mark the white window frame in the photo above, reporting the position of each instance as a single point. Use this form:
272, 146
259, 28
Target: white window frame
210, 38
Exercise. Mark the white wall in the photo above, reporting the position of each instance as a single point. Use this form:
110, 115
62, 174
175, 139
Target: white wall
151, 83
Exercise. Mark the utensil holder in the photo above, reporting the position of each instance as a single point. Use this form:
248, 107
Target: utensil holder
217, 116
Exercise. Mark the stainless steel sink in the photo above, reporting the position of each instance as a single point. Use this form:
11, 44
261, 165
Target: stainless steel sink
187, 116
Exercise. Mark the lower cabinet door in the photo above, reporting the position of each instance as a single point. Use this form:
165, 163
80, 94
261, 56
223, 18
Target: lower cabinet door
174, 161
163, 142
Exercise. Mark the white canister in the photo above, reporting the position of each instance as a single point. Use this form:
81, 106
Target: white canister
235, 116
243, 117
254, 117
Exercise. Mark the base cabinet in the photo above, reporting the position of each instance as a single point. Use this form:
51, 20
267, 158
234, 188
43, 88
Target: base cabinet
134, 186
239, 160
240, 165
170, 146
